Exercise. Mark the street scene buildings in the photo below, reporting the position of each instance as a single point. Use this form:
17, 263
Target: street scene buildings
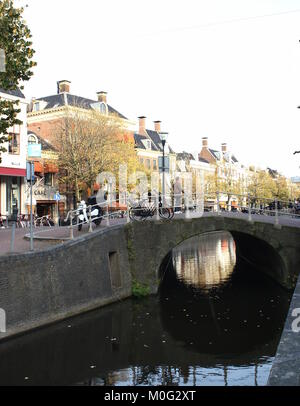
149, 231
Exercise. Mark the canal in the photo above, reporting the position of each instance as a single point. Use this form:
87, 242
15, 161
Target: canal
215, 321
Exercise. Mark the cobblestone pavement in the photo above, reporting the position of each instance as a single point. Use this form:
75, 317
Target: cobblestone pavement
23, 245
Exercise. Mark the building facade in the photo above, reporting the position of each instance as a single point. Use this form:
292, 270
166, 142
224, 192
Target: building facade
13, 165
47, 114
149, 148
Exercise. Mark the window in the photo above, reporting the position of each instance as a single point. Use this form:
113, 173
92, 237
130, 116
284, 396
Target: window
36, 107
14, 144
148, 144
103, 108
148, 164
48, 179
13, 188
141, 160
32, 139
155, 164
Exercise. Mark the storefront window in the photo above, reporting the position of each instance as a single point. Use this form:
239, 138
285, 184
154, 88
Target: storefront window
13, 188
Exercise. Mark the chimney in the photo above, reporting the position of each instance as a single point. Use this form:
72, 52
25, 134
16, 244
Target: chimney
157, 126
102, 96
142, 125
224, 147
204, 142
63, 86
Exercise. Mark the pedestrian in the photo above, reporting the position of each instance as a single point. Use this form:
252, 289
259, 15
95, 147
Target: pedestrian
177, 195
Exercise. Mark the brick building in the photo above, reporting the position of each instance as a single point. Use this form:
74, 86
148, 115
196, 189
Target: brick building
47, 114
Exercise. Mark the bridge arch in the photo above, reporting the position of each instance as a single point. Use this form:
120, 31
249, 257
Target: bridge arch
275, 252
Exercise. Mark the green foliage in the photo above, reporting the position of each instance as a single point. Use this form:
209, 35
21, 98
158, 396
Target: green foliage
140, 290
15, 41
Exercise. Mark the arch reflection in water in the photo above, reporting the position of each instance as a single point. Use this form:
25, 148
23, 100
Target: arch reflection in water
205, 261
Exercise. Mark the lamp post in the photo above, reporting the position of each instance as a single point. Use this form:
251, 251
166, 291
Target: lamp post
163, 137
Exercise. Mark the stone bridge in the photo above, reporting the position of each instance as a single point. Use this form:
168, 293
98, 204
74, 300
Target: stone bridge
275, 250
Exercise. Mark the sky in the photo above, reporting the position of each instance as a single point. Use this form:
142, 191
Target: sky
228, 70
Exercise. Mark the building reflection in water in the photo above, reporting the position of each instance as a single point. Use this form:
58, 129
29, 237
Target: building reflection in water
205, 261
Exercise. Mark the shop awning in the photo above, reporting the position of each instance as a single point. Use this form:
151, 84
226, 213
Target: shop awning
12, 171
38, 167
51, 168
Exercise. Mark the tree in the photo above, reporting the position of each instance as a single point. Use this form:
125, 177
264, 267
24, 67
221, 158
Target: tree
90, 143
15, 42
262, 185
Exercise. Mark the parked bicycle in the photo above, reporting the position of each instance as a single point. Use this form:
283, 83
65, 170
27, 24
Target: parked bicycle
143, 210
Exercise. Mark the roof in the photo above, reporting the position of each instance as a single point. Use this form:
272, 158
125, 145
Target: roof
227, 156
45, 145
187, 156
64, 99
17, 92
154, 137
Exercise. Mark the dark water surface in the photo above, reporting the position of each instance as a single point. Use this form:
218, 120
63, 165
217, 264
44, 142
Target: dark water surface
213, 323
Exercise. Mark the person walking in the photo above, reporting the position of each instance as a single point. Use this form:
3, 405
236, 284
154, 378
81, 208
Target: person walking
177, 195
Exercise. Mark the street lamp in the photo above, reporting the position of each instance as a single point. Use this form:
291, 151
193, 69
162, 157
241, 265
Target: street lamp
163, 137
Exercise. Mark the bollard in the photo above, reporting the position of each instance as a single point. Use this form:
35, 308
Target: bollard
107, 216
249, 209
71, 227
12, 241
90, 220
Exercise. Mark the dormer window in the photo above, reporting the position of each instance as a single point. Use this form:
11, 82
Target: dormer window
103, 108
148, 144
36, 106
32, 139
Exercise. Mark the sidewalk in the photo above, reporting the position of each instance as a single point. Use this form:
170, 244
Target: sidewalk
23, 245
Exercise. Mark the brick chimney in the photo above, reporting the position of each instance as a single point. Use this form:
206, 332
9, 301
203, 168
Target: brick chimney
142, 125
157, 126
102, 96
63, 86
204, 142
224, 147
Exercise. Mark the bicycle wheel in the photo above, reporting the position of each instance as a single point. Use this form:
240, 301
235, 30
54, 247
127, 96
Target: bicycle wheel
165, 213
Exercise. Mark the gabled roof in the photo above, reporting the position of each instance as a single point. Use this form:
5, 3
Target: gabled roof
227, 156
17, 92
64, 99
154, 137
187, 156
216, 154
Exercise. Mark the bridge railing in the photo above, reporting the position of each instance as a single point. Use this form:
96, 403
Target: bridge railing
219, 203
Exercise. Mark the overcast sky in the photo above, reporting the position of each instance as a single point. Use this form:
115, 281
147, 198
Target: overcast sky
228, 70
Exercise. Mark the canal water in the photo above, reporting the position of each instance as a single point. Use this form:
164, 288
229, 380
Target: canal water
213, 323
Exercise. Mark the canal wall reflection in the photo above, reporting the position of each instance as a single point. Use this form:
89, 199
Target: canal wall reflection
205, 261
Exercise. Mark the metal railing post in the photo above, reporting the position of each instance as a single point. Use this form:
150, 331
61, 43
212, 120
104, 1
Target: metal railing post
12, 241
276, 213
127, 209
218, 203
71, 226
107, 216
157, 207
90, 220
249, 209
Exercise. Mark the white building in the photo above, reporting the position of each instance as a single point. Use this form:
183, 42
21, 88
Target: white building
13, 164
